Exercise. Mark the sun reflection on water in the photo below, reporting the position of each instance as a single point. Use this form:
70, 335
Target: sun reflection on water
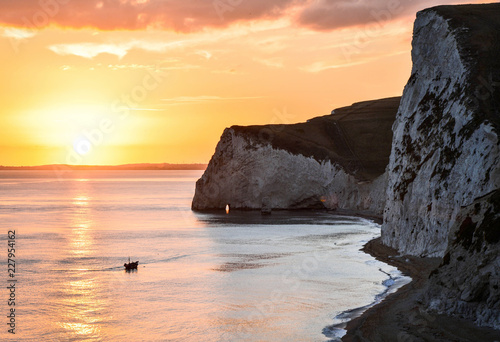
81, 329
81, 241
81, 299
83, 308
81, 200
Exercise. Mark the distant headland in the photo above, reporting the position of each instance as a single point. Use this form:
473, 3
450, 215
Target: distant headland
141, 166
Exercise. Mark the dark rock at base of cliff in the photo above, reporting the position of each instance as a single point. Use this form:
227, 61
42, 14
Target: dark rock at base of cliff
467, 282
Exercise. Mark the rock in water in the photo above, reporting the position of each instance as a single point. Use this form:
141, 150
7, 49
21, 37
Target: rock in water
444, 170
334, 161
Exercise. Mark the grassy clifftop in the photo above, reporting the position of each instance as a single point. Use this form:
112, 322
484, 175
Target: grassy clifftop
357, 137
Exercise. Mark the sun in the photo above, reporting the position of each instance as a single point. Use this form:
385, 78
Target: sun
82, 146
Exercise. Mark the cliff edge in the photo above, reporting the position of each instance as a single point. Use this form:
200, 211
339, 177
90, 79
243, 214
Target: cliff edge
333, 161
443, 195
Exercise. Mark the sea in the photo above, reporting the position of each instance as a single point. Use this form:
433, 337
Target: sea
237, 276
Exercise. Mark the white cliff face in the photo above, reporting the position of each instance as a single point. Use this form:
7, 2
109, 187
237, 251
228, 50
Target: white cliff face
242, 173
443, 194
444, 156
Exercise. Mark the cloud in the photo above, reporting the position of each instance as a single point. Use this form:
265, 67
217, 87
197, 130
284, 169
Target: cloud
231, 71
91, 50
88, 50
327, 15
190, 16
183, 16
272, 62
147, 109
204, 53
17, 33
154, 67
322, 66
179, 67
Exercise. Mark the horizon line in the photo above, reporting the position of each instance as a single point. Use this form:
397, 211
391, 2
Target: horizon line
133, 166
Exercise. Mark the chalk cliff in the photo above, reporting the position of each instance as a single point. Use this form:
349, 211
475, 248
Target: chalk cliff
437, 184
333, 161
444, 170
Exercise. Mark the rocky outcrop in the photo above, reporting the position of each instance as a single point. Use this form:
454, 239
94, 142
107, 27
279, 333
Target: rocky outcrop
467, 282
444, 170
334, 161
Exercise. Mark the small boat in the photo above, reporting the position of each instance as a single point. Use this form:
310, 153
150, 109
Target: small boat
131, 265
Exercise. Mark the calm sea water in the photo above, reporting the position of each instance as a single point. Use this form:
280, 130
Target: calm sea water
201, 277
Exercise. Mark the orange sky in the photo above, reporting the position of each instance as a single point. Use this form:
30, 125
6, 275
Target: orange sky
129, 81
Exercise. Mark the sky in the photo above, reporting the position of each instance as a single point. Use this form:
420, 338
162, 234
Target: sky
105, 82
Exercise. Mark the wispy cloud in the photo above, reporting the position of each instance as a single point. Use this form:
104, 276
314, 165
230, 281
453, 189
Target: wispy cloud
161, 66
231, 71
322, 66
17, 33
272, 62
204, 53
180, 67
91, 50
204, 98
147, 109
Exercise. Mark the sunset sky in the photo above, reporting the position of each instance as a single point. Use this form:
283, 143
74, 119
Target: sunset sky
132, 81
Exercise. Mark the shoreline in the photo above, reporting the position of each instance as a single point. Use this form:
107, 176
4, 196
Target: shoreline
400, 317
377, 218
338, 330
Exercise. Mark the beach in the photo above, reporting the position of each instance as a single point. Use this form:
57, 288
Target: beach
399, 316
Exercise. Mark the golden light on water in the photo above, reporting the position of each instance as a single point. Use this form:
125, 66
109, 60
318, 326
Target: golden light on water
82, 302
80, 240
81, 329
81, 308
81, 200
